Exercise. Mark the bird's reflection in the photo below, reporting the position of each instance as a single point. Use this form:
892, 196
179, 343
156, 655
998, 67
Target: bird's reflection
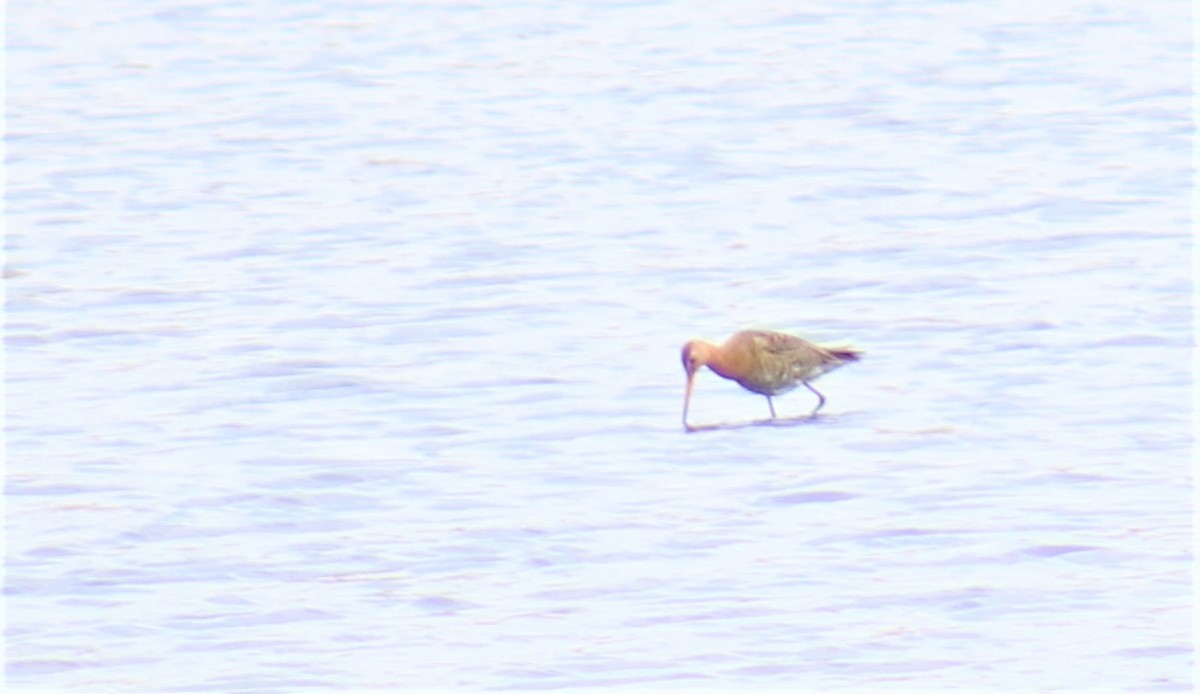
776, 422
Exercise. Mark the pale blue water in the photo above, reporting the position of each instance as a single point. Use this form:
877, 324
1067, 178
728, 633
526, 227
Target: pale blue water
343, 346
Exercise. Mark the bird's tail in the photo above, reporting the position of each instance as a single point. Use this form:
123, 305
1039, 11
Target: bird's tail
846, 353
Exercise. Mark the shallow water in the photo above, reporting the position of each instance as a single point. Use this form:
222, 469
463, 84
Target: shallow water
343, 347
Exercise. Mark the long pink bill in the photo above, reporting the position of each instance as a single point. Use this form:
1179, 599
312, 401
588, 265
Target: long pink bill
687, 398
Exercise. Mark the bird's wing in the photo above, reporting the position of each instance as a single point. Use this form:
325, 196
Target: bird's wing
784, 344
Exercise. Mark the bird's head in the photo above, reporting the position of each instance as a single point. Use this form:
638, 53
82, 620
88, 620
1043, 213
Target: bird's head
694, 355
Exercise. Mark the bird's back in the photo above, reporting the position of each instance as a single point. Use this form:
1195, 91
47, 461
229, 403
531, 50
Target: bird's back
775, 363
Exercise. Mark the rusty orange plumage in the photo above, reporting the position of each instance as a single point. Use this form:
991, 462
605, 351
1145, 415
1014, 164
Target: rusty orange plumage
764, 362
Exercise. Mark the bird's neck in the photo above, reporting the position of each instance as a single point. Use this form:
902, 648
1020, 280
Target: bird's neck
717, 360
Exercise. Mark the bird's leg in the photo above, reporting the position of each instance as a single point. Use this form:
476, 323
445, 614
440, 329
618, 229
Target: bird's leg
820, 398
772, 406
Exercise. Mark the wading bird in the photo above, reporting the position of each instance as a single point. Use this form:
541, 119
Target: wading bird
764, 362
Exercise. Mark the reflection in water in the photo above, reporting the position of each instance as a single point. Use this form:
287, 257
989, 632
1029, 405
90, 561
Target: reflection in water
771, 422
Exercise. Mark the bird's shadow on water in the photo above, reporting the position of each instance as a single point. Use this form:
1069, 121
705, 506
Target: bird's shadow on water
802, 420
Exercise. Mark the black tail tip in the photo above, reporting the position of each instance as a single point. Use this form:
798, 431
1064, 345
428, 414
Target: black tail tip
847, 354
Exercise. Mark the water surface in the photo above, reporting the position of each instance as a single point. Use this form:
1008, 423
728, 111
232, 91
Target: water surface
342, 346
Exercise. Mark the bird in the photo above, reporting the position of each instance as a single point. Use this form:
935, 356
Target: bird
764, 362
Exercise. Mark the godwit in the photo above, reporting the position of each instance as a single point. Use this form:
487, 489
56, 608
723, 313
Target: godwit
764, 362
